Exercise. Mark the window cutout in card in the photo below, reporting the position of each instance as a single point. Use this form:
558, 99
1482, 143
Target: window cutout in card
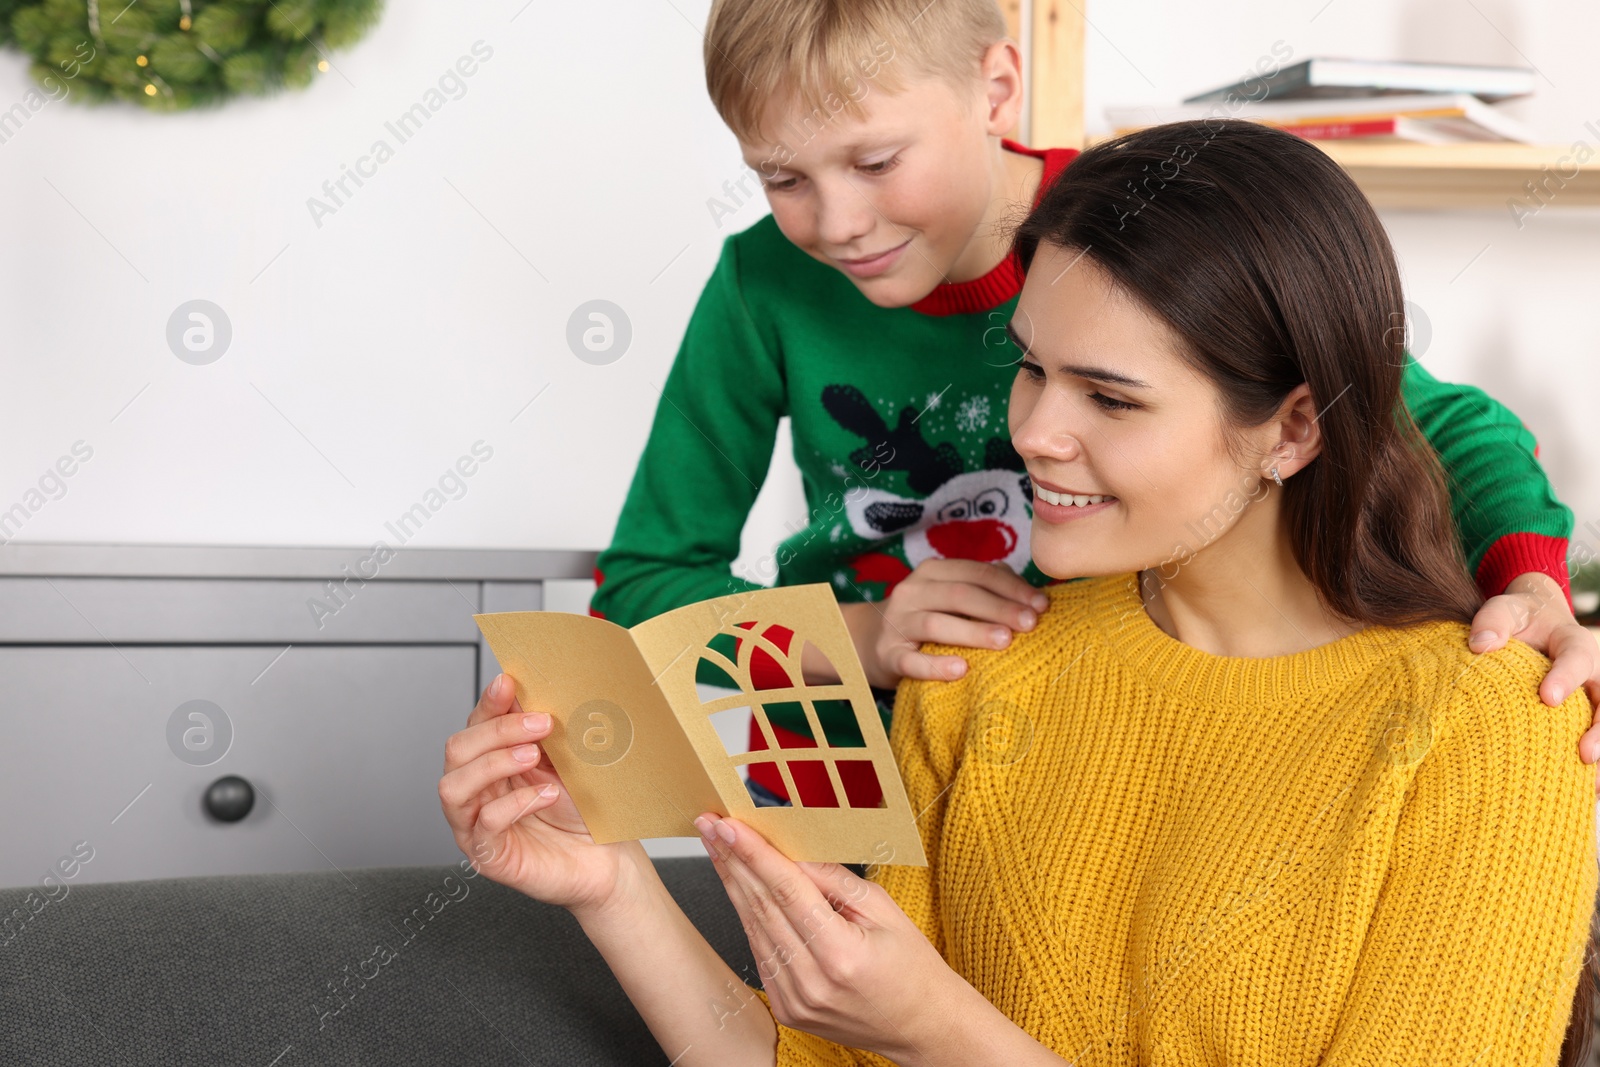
712, 672
794, 728
719, 663
733, 726
860, 783
811, 779
839, 724
766, 651
725, 645
766, 769
812, 652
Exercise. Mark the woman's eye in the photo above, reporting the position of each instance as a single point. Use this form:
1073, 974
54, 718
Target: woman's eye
1032, 370
1111, 403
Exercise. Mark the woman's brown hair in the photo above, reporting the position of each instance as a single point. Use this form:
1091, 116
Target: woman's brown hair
1266, 259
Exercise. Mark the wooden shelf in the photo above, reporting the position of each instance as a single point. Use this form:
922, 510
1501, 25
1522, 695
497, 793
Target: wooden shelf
1467, 175
1392, 175
1462, 175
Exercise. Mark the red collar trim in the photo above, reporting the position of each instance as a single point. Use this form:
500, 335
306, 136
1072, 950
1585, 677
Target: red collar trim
1005, 280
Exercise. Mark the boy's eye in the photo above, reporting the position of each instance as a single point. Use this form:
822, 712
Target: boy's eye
876, 170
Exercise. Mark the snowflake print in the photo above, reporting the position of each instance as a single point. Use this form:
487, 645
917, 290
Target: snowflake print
839, 470
933, 402
841, 579
973, 414
836, 533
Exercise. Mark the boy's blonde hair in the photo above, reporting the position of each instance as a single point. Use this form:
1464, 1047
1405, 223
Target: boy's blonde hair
828, 54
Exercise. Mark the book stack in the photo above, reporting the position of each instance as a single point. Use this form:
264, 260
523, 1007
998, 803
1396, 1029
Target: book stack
1360, 100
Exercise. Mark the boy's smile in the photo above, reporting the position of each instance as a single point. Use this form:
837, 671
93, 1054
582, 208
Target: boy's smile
871, 266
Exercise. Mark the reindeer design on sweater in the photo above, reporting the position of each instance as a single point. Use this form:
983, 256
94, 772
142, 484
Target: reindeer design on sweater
983, 514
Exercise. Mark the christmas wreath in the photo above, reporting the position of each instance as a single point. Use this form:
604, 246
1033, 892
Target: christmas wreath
173, 54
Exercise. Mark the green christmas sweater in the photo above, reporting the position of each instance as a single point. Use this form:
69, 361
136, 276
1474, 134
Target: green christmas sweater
898, 421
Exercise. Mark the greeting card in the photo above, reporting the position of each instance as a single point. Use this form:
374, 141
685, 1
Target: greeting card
640, 753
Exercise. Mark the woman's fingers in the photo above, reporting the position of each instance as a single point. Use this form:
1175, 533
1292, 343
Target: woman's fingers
499, 696
462, 792
782, 898
734, 884
501, 731
498, 815
844, 890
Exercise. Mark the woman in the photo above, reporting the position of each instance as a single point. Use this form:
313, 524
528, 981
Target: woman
1245, 797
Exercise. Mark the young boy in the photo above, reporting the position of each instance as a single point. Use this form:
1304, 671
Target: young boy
870, 308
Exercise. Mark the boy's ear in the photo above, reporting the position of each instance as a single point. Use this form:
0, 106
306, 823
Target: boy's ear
1002, 79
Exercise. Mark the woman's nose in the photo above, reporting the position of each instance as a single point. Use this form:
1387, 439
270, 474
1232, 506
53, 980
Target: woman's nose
1048, 432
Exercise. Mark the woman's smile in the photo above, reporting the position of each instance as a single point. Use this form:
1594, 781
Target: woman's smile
1054, 504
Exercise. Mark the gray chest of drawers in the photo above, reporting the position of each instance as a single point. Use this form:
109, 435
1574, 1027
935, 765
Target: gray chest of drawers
132, 678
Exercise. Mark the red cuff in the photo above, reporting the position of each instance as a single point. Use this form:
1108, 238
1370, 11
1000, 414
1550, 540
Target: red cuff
1524, 553
598, 579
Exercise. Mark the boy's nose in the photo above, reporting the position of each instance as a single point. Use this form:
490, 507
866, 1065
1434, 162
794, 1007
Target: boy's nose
844, 219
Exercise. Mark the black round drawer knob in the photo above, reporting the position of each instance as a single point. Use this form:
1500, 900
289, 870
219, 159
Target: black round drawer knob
229, 798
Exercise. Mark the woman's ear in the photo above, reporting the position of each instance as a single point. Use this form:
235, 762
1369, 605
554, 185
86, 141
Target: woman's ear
1299, 436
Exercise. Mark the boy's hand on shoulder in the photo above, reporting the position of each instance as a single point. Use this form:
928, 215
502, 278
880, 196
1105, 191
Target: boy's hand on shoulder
948, 601
1534, 610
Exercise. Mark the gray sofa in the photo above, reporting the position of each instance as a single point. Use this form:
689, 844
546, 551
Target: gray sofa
390, 966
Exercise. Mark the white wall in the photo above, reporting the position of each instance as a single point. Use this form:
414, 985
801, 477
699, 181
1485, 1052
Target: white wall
372, 351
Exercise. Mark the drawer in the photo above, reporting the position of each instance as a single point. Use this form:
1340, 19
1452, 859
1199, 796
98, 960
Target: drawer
220, 610
344, 746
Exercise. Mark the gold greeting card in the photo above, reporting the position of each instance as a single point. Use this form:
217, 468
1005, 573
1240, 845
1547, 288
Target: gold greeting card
641, 756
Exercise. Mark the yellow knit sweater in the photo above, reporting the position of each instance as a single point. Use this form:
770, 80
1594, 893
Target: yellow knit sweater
1377, 852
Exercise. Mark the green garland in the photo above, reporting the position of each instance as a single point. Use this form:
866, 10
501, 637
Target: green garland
169, 55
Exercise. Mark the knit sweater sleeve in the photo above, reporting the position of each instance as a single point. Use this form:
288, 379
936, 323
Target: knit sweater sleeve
926, 734
1474, 950
708, 451
1506, 513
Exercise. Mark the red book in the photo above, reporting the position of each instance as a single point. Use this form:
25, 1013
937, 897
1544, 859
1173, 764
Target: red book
1434, 129
1331, 131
